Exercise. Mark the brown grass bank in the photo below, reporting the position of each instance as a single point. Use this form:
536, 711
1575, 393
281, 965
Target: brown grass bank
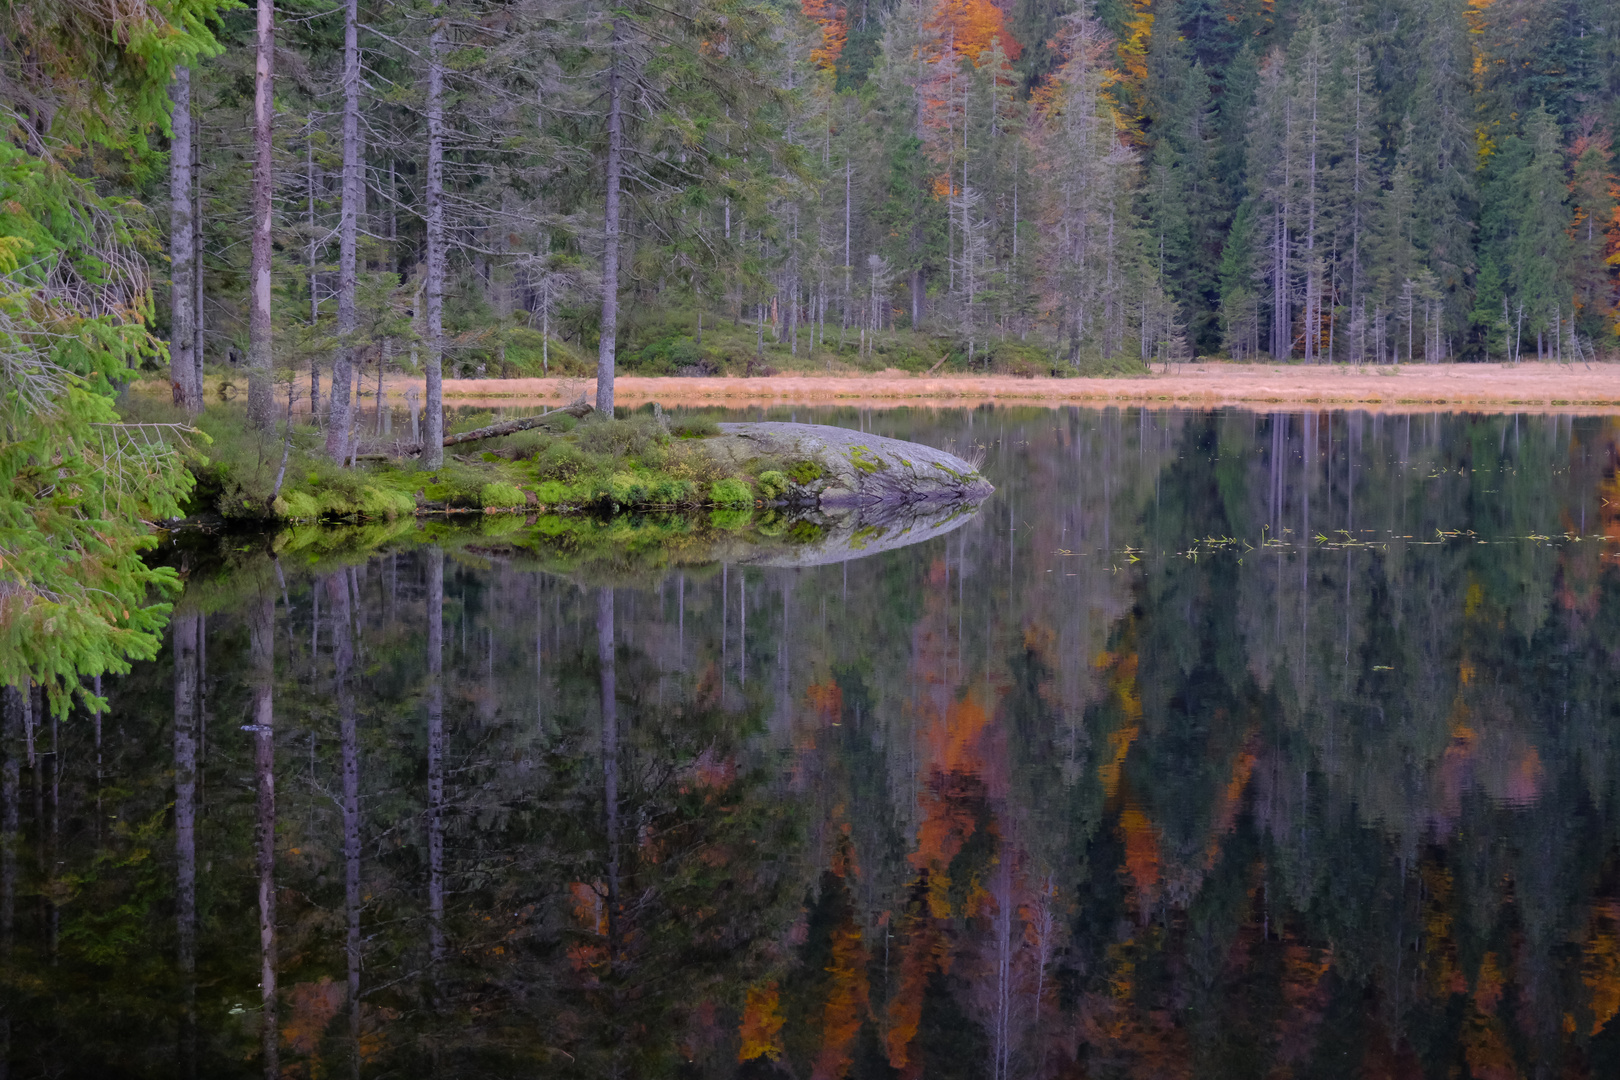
1528, 387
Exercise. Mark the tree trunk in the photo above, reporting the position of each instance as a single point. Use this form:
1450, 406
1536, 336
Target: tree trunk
262, 632
197, 255
606, 658
337, 596
187, 631
610, 230
344, 401
435, 753
261, 407
10, 822
182, 254
433, 420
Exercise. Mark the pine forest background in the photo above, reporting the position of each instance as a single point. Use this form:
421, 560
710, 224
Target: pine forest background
1033, 185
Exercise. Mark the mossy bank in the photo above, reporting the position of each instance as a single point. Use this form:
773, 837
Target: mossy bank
642, 463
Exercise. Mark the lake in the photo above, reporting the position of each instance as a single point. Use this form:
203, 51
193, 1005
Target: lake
1215, 744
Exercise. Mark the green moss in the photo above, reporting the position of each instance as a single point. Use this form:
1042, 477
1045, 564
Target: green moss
297, 506
386, 503
501, 496
772, 484
863, 459
730, 492
806, 471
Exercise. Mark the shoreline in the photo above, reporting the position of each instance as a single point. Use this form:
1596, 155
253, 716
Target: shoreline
1527, 387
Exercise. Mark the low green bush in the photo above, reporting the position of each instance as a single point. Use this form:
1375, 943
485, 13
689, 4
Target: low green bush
805, 472
730, 492
772, 484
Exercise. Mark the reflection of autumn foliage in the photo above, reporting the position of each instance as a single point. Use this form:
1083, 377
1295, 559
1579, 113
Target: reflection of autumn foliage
314, 1005
923, 951
1600, 964
760, 1034
1141, 857
1121, 676
587, 950
825, 701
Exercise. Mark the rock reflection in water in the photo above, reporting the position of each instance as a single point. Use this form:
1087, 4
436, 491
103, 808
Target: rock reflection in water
1213, 745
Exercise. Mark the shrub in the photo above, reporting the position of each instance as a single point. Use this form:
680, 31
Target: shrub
772, 484
617, 438
501, 496
730, 493
627, 489
695, 427
560, 461
527, 444
551, 492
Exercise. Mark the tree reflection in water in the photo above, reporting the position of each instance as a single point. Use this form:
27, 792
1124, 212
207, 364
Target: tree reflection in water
1215, 745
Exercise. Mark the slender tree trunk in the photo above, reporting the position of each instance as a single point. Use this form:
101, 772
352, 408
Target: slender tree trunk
344, 401
182, 254
187, 701
10, 823
608, 346
261, 406
337, 596
606, 657
433, 410
262, 632
435, 750
197, 254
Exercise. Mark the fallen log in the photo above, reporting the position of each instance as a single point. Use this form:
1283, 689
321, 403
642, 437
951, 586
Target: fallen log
579, 408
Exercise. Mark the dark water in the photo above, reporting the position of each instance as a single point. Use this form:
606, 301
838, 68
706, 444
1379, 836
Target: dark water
1215, 745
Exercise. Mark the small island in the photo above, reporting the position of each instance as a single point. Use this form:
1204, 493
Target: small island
575, 461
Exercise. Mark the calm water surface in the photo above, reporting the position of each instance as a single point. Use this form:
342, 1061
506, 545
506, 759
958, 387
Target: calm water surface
1215, 745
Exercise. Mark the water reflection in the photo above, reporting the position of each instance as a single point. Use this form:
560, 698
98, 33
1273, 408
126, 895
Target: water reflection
1214, 745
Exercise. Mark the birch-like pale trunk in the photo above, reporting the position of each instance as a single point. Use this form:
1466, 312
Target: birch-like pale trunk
261, 404
187, 707
262, 646
433, 418
182, 251
608, 345
343, 374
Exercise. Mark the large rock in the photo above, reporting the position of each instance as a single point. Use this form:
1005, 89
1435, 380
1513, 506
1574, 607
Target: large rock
857, 469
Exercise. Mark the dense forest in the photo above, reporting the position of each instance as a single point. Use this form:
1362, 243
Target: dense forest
530, 186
